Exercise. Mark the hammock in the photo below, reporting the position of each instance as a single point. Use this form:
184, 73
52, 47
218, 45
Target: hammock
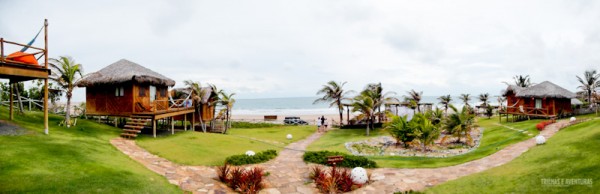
182, 102
514, 104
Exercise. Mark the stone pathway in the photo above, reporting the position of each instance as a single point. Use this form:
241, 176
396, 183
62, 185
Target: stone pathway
289, 173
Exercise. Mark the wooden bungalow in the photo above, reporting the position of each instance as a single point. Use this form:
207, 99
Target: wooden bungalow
20, 66
127, 89
546, 100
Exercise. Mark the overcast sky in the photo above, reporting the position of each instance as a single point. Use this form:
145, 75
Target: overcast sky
261, 49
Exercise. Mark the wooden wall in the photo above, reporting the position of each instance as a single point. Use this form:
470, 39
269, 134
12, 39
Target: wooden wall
550, 106
101, 100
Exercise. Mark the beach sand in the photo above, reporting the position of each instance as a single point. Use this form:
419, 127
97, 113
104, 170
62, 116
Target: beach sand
308, 118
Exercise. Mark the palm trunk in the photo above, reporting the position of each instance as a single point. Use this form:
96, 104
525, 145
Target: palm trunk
19, 98
202, 125
226, 120
68, 112
368, 125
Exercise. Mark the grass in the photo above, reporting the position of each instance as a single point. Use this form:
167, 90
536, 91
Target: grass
494, 138
79, 159
194, 148
572, 153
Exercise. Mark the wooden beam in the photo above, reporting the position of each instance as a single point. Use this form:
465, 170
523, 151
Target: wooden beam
185, 122
19, 44
25, 72
10, 105
193, 120
172, 126
154, 127
165, 115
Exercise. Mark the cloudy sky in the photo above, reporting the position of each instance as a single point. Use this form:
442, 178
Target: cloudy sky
262, 49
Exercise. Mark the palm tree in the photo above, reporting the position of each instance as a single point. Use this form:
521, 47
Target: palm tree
65, 72
213, 100
459, 123
364, 104
375, 91
198, 96
484, 98
445, 101
400, 129
414, 98
465, 98
334, 93
425, 131
227, 101
522, 81
589, 83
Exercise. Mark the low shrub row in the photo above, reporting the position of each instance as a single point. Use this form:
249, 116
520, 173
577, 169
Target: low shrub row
240, 180
256, 158
540, 126
247, 125
350, 161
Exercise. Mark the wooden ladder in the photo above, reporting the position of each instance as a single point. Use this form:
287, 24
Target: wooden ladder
134, 126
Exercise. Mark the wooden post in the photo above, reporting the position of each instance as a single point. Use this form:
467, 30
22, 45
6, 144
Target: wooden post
193, 120
185, 122
46, 80
10, 104
172, 126
154, 127
115, 120
1, 49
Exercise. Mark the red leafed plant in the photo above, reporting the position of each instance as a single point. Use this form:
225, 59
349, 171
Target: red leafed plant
336, 181
542, 125
240, 180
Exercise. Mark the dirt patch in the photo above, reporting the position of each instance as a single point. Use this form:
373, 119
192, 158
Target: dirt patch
9, 129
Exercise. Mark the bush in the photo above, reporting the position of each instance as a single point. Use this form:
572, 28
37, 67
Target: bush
243, 181
257, 158
542, 125
247, 125
350, 161
336, 181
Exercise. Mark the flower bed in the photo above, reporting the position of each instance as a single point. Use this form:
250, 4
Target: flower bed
337, 180
241, 180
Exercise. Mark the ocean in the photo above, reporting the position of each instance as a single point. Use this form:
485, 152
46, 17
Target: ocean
305, 106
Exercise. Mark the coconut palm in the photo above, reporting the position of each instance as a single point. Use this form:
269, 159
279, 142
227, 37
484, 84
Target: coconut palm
399, 128
465, 98
425, 131
522, 81
375, 91
436, 115
414, 98
213, 100
364, 104
65, 72
334, 93
459, 123
227, 101
589, 83
484, 98
198, 96
445, 101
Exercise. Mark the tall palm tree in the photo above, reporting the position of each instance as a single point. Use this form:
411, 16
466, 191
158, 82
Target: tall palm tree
484, 98
364, 104
334, 93
227, 101
213, 100
589, 83
459, 123
414, 98
198, 96
445, 101
522, 81
375, 91
465, 98
65, 72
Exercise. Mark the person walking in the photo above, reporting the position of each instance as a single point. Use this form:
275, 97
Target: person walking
323, 122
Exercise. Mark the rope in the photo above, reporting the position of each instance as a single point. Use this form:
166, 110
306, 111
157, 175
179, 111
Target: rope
32, 41
515, 104
175, 104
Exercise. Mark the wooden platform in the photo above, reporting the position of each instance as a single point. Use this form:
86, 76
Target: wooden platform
17, 72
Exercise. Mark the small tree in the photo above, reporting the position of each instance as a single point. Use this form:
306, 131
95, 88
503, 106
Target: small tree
425, 131
65, 72
459, 123
414, 98
227, 101
364, 104
445, 101
400, 129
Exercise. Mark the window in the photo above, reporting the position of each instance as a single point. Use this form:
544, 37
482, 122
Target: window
538, 103
152, 93
163, 92
141, 91
119, 91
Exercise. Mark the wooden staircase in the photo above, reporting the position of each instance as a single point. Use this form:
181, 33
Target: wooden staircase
134, 126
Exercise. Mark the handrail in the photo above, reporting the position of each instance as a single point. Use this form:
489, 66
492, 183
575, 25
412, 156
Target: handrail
2, 41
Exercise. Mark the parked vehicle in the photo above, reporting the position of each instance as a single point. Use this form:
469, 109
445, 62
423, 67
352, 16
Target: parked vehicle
294, 121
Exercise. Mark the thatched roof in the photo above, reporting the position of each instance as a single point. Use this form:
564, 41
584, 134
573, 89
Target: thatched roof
575, 101
124, 71
545, 89
512, 88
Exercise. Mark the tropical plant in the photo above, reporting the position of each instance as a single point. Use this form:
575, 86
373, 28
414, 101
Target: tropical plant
589, 83
413, 99
399, 128
465, 98
198, 98
425, 131
365, 105
227, 101
65, 72
436, 115
445, 101
214, 99
522, 81
459, 123
375, 91
334, 93
484, 98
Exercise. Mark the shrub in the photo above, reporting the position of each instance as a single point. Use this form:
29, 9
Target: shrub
336, 181
350, 161
243, 181
257, 158
241, 124
542, 125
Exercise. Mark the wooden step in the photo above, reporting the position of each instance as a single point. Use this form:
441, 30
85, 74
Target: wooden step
128, 135
132, 131
134, 126
138, 120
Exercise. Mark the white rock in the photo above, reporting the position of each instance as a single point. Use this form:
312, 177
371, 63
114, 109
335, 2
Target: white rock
540, 139
359, 175
250, 153
573, 119
289, 136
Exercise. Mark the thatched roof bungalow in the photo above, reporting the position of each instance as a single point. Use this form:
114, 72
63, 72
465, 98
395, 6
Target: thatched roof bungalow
545, 99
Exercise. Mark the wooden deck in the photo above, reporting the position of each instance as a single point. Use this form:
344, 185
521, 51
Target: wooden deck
160, 114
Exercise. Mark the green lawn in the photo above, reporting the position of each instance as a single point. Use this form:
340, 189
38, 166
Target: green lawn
196, 148
75, 160
494, 138
572, 153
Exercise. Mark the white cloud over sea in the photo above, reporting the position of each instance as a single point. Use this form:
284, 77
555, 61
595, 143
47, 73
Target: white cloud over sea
278, 48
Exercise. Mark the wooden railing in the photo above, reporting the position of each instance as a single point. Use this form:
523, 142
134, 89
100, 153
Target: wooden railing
528, 110
160, 105
2, 53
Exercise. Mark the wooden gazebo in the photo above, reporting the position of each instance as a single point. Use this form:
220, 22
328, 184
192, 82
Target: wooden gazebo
545, 99
20, 66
